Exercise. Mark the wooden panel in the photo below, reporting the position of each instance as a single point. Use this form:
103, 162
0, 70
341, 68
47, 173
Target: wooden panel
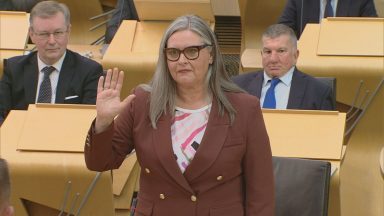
171, 9
81, 12
305, 134
367, 41
360, 174
256, 16
10, 36
43, 177
67, 135
225, 7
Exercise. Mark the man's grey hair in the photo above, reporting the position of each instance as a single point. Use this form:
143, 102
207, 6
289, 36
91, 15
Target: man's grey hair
47, 9
276, 30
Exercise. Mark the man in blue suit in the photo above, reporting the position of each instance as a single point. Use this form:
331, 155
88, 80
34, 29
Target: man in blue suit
295, 89
297, 13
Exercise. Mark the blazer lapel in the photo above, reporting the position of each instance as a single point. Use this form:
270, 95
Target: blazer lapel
163, 148
296, 94
31, 77
212, 142
66, 73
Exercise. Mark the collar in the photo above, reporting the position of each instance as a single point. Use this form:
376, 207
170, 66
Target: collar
57, 64
286, 79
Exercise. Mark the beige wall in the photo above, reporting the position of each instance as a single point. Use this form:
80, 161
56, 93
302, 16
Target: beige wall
380, 7
225, 7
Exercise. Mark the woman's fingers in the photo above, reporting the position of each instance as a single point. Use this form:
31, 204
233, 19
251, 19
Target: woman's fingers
115, 77
100, 84
112, 79
107, 82
120, 81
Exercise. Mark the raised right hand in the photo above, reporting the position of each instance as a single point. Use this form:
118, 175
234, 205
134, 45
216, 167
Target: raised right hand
108, 103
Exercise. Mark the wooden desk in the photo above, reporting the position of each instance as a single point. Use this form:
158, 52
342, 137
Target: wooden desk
42, 177
48, 173
362, 185
13, 30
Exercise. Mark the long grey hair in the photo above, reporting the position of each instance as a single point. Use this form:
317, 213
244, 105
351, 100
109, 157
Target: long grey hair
163, 87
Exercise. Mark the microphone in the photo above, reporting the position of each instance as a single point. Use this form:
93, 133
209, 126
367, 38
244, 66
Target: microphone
355, 98
378, 88
349, 117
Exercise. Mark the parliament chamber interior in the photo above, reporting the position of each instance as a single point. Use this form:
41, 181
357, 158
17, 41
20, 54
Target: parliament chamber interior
48, 172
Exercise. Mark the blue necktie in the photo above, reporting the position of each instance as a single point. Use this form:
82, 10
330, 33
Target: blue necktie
45, 92
270, 99
328, 12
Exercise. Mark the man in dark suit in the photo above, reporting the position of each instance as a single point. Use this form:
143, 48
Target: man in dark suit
125, 10
53, 74
294, 89
297, 13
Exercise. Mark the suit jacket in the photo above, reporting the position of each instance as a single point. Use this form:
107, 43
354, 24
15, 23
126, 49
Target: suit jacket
125, 10
18, 86
230, 175
293, 17
306, 92
6, 5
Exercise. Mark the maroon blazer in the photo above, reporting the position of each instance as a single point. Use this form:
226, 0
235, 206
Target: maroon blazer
230, 175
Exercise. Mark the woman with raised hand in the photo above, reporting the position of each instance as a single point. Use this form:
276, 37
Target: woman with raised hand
200, 141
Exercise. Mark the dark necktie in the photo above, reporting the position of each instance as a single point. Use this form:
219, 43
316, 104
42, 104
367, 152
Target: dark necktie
45, 93
328, 12
270, 99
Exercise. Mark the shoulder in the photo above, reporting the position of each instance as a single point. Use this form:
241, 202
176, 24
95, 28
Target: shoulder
246, 77
312, 82
142, 95
140, 92
243, 101
80, 60
22, 59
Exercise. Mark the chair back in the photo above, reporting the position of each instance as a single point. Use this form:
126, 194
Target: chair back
301, 186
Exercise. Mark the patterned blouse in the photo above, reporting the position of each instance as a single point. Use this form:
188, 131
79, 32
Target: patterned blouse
187, 131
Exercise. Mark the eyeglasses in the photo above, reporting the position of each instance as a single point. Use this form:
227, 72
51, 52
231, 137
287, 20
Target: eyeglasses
191, 53
46, 35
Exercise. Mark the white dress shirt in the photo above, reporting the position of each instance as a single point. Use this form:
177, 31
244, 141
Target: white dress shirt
282, 89
322, 7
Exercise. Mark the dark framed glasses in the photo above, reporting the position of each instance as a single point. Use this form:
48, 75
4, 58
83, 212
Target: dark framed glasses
191, 53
